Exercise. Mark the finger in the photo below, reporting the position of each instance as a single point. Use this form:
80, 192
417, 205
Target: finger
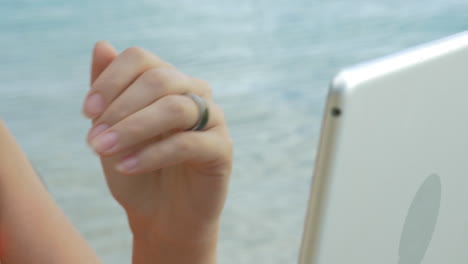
170, 114
210, 148
103, 55
122, 71
151, 86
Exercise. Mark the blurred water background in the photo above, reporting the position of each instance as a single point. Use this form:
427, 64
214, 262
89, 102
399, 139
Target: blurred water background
269, 63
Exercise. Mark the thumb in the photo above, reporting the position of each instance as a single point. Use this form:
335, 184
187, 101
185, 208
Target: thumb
103, 55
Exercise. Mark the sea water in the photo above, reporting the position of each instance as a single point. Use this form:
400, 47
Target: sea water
269, 63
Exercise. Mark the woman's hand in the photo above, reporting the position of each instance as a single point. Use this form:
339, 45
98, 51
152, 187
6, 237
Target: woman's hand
171, 181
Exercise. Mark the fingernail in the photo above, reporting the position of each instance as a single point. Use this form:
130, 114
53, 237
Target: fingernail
104, 142
94, 105
96, 131
127, 165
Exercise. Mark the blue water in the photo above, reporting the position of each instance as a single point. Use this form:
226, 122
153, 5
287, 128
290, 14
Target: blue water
269, 63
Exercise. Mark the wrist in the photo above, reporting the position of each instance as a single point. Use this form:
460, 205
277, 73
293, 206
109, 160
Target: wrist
157, 243
149, 248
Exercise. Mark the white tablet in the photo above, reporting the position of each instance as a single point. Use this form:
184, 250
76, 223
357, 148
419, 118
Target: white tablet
391, 176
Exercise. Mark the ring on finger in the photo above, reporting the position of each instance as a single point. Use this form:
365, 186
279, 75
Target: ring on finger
203, 112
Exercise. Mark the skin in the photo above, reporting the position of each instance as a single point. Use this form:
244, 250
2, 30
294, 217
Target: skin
33, 229
171, 182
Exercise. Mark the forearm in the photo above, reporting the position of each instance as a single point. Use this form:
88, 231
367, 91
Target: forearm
33, 229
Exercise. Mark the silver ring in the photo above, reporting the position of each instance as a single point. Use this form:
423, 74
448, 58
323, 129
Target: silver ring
203, 112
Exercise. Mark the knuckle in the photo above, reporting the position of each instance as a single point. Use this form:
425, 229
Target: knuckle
184, 144
135, 52
204, 82
218, 114
158, 77
224, 151
134, 56
208, 91
116, 117
174, 106
225, 138
113, 115
229, 149
221, 113
100, 84
134, 128
144, 57
94, 85
204, 86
